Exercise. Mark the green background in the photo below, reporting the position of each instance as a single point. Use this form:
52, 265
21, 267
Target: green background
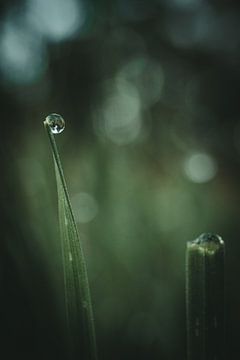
150, 93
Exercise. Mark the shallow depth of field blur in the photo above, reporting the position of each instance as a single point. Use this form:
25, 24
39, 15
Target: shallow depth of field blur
150, 93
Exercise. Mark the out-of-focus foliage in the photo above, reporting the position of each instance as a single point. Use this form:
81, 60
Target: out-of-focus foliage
150, 94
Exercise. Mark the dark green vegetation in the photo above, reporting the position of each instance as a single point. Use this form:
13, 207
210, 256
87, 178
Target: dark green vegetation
205, 298
151, 154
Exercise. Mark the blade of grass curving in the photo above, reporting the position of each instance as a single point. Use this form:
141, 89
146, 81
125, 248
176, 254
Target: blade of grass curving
79, 313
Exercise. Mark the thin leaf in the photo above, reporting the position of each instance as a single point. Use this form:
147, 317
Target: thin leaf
79, 313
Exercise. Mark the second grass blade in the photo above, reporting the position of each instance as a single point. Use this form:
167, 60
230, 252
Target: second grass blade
205, 298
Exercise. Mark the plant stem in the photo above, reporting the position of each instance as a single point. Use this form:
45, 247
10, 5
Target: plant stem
205, 298
79, 313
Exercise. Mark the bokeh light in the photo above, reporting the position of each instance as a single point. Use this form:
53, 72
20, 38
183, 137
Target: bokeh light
119, 119
147, 76
56, 19
84, 206
22, 52
200, 167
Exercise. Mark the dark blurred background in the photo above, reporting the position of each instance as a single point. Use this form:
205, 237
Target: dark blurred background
151, 151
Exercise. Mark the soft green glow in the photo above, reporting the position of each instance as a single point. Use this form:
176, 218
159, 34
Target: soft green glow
200, 167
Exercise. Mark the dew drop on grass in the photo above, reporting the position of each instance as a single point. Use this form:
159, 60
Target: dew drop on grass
56, 123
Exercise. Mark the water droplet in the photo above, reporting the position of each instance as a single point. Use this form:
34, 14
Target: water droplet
207, 238
207, 244
56, 123
70, 256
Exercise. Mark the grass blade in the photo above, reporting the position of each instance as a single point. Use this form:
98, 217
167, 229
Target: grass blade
205, 298
79, 313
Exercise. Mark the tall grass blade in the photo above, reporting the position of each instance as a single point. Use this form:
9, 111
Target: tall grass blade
79, 313
205, 298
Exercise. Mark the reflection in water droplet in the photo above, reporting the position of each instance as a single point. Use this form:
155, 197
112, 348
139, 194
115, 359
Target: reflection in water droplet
56, 123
